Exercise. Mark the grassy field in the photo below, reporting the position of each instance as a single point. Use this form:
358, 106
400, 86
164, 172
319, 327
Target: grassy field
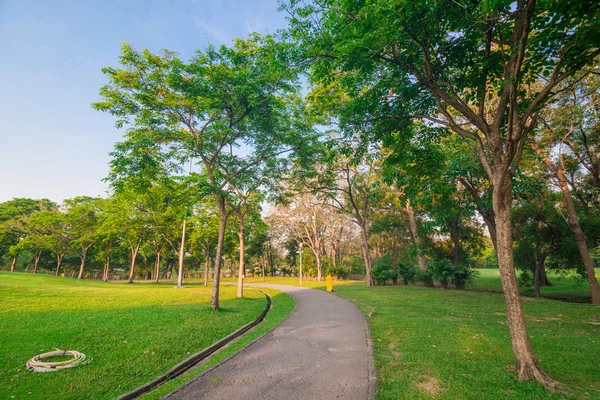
569, 285
132, 333
456, 345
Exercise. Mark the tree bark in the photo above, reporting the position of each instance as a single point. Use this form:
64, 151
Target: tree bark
36, 261
241, 234
134, 251
14, 263
559, 172
527, 366
181, 255
206, 269
157, 269
59, 258
83, 257
544, 276
106, 267
214, 301
416, 240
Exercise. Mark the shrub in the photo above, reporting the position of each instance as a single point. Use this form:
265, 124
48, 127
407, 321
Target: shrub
409, 273
445, 272
338, 272
383, 271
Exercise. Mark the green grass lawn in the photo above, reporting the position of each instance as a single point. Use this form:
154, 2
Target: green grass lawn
570, 285
456, 345
132, 333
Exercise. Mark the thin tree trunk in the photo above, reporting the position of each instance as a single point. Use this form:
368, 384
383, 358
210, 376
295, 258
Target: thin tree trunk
36, 261
455, 242
527, 366
157, 272
83, 257
559, 172
59, 258
134, 251
14, 263
206, 270
214, 301
366, 253
319, 266
181, 255
537, 277
241, 234
545, 281
106, 267
417, 240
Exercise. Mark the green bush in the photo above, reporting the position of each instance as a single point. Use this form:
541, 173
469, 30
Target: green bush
445, 272
383, 271
338, 272
526, 283
409, 273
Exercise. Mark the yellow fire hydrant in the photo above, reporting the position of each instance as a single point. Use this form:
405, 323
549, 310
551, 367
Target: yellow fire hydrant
329, 281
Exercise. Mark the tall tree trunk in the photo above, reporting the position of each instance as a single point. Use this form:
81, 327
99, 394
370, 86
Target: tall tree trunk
106, 267
544, 276
36, 261
181, 255
157, 270
412, 223
134, 251
59, 258
241, 234
559, 172
527, 366
206, 265
537, 278
83, 257
214, 301
317, 253
334, 257
366, 252
14, 263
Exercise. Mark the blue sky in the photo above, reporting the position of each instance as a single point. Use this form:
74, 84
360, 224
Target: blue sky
52, 144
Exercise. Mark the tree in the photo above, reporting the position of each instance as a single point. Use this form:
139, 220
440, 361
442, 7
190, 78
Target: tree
306, 218
14, 216
206, 109
355, 190
568, 127
82, 217
464, 67
56, 236
205, 233
245, 201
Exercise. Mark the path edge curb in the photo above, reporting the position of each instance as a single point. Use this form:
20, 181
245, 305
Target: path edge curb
194, 359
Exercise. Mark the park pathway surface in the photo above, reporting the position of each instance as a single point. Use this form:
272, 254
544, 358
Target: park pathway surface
321, 351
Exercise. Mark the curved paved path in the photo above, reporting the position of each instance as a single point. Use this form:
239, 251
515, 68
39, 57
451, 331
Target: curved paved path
321, 351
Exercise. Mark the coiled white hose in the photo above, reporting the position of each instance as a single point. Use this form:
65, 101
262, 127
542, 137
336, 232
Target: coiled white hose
37, 365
